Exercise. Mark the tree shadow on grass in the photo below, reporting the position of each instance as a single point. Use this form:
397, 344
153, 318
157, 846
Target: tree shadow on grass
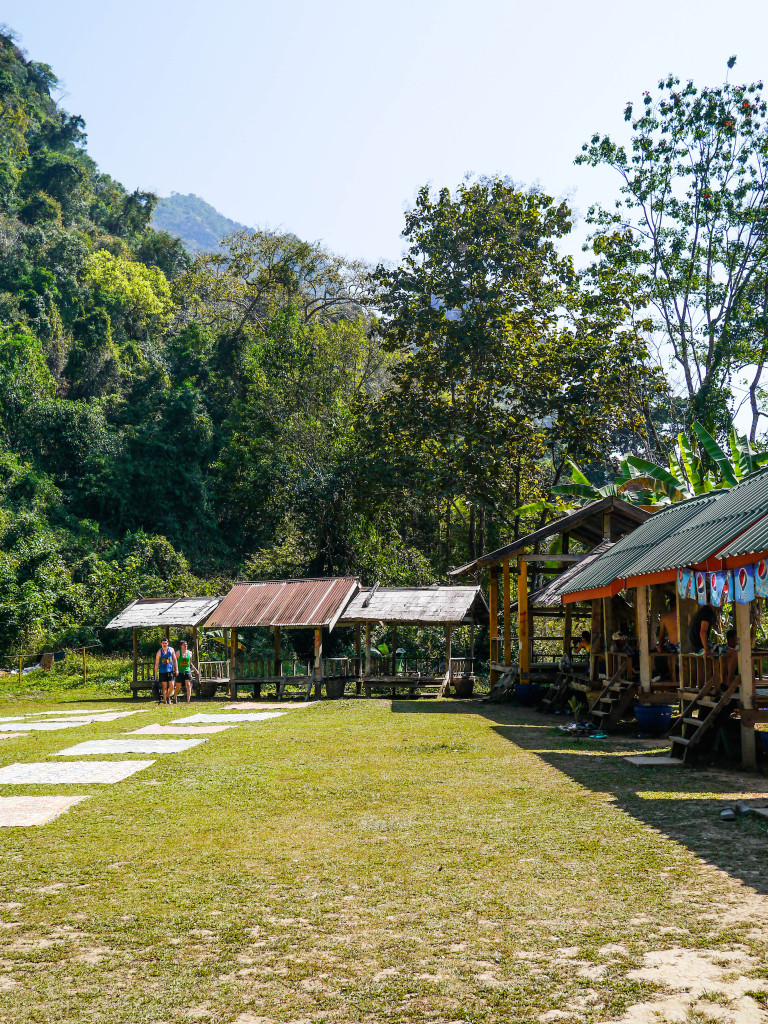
683, 803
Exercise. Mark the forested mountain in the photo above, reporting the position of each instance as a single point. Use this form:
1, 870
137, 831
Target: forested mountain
199, 226
170, 422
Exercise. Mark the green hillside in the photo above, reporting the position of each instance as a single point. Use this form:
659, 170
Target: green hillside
195, 222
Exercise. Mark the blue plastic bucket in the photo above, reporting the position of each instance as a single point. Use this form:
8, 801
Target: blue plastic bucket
653, 719
528, 693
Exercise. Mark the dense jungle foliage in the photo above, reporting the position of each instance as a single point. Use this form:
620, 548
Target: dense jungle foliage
170, 422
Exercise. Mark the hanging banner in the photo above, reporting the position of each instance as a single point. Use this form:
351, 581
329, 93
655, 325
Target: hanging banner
685, 583
761, 578
701, 586
744, 584
721, 588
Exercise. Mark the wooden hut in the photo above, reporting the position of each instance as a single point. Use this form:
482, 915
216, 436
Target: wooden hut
716, 532
164, 613
399, 607
276, 605
608, 519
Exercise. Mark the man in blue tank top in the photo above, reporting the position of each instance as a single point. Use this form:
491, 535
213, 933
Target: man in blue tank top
166, 668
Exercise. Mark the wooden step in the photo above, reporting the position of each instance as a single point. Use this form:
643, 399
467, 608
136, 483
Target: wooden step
680, 739
694, 721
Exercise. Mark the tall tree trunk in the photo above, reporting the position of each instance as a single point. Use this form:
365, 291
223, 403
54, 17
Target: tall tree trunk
472, 533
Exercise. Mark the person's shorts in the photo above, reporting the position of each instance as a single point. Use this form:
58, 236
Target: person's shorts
669, 648
183, 677
165, 677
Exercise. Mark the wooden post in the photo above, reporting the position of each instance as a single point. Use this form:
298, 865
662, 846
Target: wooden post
233, 663
196, 646
494, 624
135, 655
368, 649
595, 638
277, 667
358, 662
747, 693
608, 628
686, 608
168, 633
522, 619
318, 673
394, 649
606, 526
448, 630
506, 597
643, 638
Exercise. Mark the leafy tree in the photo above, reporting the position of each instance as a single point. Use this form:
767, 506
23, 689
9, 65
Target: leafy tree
688, 240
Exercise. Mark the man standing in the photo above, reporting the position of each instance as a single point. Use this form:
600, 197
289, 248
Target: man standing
166, 668
185, 670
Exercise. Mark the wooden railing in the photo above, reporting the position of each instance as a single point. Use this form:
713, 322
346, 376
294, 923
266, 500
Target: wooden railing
347, 668
214, 670
541, 648
145, 671
462, 667
264, 668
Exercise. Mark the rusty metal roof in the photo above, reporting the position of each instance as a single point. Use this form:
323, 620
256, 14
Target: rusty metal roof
418, 606
289, 603
146, 612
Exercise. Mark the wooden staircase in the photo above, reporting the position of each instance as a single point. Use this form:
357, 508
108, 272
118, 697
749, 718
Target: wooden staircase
557, 695
712, 706
614, 701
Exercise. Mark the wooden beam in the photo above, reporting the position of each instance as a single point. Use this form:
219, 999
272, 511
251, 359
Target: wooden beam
168, 633
196, 646
494, 623
643, 638
358, 660
318, 653
276, 652
743, 628
233, 663
595, 637
448, 630
506, 600
367, 648
568, 629
135, 653
686, 608
544, 556
606, 526
523, 625
394, 649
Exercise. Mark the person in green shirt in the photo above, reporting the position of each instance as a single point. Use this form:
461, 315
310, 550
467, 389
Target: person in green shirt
185, 668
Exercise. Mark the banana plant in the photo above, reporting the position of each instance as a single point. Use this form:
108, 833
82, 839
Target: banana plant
699, 465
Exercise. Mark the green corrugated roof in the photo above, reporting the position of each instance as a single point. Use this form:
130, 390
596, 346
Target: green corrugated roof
614, 564
716, 525
753, 542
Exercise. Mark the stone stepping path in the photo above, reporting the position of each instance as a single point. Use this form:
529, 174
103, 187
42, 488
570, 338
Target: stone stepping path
45, 726
224, 717
39, 773
129, 746
11, 735
18, 811
179, 730
262, 705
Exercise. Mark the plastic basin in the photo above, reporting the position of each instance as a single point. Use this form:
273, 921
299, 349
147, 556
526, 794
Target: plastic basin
653, 718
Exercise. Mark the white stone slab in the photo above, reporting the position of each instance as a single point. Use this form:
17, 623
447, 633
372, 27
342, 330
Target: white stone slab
129, 746
243, 717
41, 773
87, 719
649, 759
18, 811
263, 705
179, 730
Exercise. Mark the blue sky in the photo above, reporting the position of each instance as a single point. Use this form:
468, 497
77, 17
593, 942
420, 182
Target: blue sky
324, 119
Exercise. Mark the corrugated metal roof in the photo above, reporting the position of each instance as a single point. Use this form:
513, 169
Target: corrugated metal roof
418, 606
146, 612
289, 603
548, 596
578, 524
623, 556
754, 541
716, 525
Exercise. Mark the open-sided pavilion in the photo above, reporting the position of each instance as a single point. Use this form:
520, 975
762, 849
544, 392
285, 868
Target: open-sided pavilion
400, 607
702, 539
164, 613
277, 605
605, 520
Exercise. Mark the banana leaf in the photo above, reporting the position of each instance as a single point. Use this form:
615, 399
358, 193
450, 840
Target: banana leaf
691, 463
658, 473
576, 475
586, 491
716, 453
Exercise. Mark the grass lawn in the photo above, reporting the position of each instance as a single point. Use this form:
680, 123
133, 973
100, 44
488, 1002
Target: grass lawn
371, 860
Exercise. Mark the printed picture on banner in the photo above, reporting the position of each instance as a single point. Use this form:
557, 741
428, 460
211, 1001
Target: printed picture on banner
701, 587
720, 588
685, 583
744, 584
761, 578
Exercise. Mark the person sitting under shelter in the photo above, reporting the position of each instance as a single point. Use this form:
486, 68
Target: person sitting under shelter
707, 617
669, 638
